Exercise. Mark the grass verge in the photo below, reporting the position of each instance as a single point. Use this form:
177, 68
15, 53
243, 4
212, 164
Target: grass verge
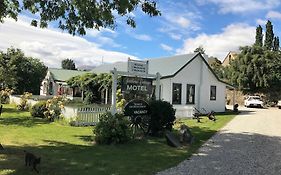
69, 150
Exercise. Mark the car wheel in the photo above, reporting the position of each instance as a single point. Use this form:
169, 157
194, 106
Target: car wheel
279, 107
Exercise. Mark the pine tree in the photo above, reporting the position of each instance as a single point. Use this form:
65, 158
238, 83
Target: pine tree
268, 43
259, 36
276, 43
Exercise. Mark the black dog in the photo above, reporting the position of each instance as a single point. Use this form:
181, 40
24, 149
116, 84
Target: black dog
32, 160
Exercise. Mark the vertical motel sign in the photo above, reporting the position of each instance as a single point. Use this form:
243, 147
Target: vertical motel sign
139, 69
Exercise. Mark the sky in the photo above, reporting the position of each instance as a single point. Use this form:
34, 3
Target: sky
219, 26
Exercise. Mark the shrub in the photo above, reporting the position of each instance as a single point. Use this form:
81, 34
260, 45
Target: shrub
112, 129
38, 109
5, 95
162, 116
89, 97
23, 101
54, 107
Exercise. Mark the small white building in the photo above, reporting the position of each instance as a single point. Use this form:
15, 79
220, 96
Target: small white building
187, 81
54, 83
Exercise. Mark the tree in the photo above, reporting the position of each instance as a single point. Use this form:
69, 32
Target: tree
268, 42
76, 16
216, 65
92, 85
259, 37
21, 73
255, 70
68, 64
200, 49
276, 44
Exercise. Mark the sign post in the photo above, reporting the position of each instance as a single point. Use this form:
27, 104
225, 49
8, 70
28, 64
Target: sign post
137, 69
114, 90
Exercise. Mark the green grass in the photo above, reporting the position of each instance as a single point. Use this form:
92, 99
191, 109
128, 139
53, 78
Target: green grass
70, 150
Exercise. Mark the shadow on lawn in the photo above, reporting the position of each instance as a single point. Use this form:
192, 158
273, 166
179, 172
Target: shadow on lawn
10, 110
22, 121
145, 156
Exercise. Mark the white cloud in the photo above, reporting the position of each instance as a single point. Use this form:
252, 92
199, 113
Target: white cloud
175, 36
232, 37
166, 47
179, 19
242, 6
261, 22
142, 37
273, 14
52, 46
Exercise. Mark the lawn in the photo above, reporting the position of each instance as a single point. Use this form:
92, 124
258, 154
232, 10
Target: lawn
70, 150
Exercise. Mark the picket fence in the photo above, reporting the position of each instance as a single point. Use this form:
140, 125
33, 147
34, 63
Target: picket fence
90, 116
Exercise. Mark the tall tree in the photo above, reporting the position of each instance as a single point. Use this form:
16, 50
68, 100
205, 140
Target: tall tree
255, 70
21, 73
200, 49
269, 35
68, 64
76, 16
276, 44
259, 36
216, 65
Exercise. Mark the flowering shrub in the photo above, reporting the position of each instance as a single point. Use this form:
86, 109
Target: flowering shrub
38, 109
23, 101
4, 95
54, 107
112, 129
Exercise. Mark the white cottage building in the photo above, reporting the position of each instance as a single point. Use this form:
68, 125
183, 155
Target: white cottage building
187, 81
54, 83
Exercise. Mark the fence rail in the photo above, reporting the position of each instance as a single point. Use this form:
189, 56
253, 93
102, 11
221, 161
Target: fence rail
90, 116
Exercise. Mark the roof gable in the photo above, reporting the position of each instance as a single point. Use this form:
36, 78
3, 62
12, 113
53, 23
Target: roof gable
165, 66
64, 74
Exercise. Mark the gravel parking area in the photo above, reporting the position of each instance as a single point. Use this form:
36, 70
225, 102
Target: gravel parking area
249, 144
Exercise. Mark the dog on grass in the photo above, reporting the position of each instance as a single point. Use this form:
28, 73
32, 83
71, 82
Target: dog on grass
32, 160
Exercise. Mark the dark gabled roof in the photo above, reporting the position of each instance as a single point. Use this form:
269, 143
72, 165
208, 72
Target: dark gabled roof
63, 74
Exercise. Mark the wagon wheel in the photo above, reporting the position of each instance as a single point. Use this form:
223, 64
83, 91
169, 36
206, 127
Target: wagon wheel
140, 125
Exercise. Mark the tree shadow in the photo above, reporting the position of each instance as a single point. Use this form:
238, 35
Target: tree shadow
135, 157
9, 110
22, 121
85, 138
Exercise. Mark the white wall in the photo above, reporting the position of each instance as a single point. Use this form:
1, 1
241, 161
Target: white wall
197, 73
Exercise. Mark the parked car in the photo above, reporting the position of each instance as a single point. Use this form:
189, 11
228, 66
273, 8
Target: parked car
279, 104
253, 101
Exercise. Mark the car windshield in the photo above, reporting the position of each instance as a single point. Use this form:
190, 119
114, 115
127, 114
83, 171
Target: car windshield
254, 98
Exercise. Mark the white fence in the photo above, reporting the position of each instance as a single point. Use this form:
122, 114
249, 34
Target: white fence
83, 115
90, 115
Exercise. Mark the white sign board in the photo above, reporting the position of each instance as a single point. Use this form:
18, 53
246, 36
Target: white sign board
139, 67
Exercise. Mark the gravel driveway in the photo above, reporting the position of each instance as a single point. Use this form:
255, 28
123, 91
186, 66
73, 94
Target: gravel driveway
249, 144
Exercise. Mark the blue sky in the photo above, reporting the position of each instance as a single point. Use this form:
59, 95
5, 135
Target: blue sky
219, 26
